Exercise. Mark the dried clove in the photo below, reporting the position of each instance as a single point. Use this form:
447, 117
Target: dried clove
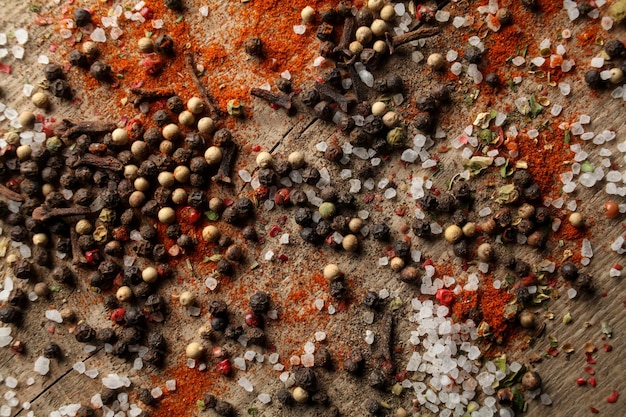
278, 99
344, 102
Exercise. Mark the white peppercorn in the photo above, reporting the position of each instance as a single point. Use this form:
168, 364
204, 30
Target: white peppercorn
264, 159
296, 159
216, 204
40, 100
355, 47
206, 125
119, 136
47, 189
350, 243
213, 155
435, 61
149, 274
576, 219
186, 118
617, 75
332, 272
379, 108
307, 14
453, 233
166, 147
391, 119
182, 174
378, 27
469, 229
300, 395
355, 224
130, 172
123, 293
167, 215
211, 233
145, 45
83, 227
194, 350
166, 179
375, 5
186, 298
90, 49
141, 184
23, 152
27, 119
388, 12
363, 35
40, 239
139, 149
41, 289
170, 131
179, 196
136, 199
380, 46
396, 263
195, 105
485, 252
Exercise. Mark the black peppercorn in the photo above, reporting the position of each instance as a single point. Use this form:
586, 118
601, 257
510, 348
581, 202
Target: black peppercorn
323, 229
61, 88
249, 233
473, 55
164, 44
53, 72
218, 308
322, 358
284, 397
82, 17
185, 241
377, 379
372, 125
267, 177
532, 192
541, 215
159, 253
614, 48
19, 233
101, 71
176, 5
224, 241
120, 349
306, 379
426, 104
380, 231
144, 395
364, 17
584, 283
425, 122
173, 231
260, 302
369, 57
78, 59
371, 300
522, 268
310, 175
324, 32
108, 395
337, 289
157, 341
51, 350
446, 203
372, 407
255, 335
106, 335
23, 269
224, 409
402, 248
134, 316
41, 256
284, 85
150, 209
219, 323
84, 333
492, 79
10, 314
85, 411
310, 97
109, 269
254, 47
568, 271
175, 104
154, 302
460, 217
593, 79
460, 249
233, 332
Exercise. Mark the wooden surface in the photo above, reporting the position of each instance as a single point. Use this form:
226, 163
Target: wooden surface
346, 329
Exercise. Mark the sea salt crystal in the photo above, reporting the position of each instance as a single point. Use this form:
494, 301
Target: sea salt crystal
369, 337
170, 384
319, 61
299, 29
417, 57
21, 36
442, 16
244, 175
204, 11
319, 304
458, 21
307, 360
239, 363
597, 62
211, 283
586, 249
456, 68
98, 35
485, 211
114, 381
606, 22
54, 315
571, 293
245, 384
17, 51
42, 365
331, 309
518, 61
366, 77
538, 61
156, 392
93, 373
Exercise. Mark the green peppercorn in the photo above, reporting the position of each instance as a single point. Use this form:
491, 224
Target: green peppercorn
327, 210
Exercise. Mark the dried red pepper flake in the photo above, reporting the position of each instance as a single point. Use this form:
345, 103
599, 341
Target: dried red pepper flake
617, 266
428, 262
589, 370
613, 397
275, 230
256, 148
590, 359
117, 315
592, 382
581, 381
92, 256
223, 367
401, 211
594, 410
283, 258
554, 352
607, 347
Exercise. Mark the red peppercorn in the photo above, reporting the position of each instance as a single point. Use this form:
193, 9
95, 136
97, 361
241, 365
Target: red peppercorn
581, 381
223, 367
445, 297
146, 12
594, 410
93, 256
592, 382
607, 348
190, 215
252, 319
611, 209
261, 193
283, 258
282, 197
218, 352
256, 148
117, 315
275, 230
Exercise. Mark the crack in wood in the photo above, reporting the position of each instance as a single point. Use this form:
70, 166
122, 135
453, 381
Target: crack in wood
56, 381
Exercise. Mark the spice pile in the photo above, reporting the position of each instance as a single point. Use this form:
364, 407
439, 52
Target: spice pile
406, 237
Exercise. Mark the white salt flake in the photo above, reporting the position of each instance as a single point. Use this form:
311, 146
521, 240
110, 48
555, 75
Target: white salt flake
98, 35
54, 315
170, 384
299, 29
245, 384
42, 365
21, 36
